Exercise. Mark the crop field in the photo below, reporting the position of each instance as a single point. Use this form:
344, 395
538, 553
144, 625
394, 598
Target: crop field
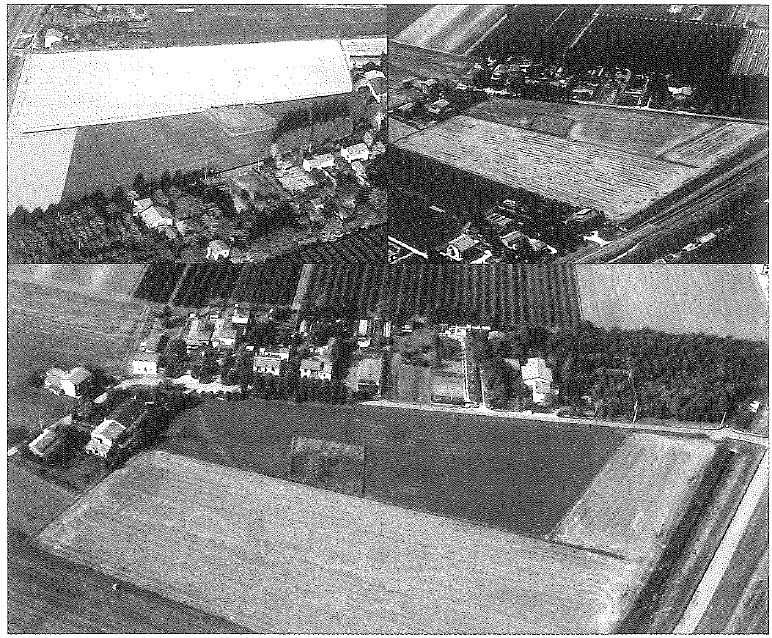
49, 595
614, 181
640, 132
37, 177
258, 550
715, 144
101, 281
255, 283
638, 497
720, 299
501, 294
33, 502
452, 28
483, 469
234, 24
110, 154
86, 88
409, 383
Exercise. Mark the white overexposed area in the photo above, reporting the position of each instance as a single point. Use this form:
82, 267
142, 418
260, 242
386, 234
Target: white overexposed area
84, 88
37, 167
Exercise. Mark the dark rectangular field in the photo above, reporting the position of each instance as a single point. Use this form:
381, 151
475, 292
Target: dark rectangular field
513, 474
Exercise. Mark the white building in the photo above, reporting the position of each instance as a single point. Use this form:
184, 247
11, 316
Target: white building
156, 217
217, 249
538, 377
326, 160
355, 152
316, 368
144, 363
267, 365
75, 382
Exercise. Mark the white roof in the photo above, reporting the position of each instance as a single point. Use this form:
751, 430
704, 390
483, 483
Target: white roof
84, 88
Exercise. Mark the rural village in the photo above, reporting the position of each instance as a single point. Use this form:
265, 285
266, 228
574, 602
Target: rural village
655, 117
388, 319
213, 344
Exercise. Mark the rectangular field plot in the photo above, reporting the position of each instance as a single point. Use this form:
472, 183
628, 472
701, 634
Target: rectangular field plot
328, 465
37, 167
98, 87
276, 556
108, 281
614, 181
720, 299
517, 475
638, 497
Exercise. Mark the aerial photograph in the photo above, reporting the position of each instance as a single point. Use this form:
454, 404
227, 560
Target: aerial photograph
242, 133
578, 133
398, 449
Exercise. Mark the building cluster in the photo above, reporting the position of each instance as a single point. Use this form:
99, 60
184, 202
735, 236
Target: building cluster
75, 27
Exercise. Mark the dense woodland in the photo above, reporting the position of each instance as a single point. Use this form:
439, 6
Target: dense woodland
689, 377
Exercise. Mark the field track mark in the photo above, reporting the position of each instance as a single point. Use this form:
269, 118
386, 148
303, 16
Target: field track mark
698, 605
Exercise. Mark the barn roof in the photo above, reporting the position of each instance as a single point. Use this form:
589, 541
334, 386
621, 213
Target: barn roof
97, 87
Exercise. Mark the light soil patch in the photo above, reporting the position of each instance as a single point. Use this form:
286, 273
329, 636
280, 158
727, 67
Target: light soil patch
719, 299
37, 167
638, 497
275, 556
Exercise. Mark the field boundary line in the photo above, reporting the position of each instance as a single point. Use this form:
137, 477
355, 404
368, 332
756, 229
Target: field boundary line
710, 581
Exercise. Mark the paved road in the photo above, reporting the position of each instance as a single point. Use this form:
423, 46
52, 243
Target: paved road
723, 556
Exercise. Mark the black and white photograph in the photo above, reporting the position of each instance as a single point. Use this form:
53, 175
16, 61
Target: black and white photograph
579, 133
191, 133
387, 319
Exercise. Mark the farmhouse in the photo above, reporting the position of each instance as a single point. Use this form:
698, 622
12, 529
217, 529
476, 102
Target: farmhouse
355, 152
144, 363
199, 333
74, 382
538, 377
118, 429
156, 217
224, 334
318, 367
267, 365
326, 160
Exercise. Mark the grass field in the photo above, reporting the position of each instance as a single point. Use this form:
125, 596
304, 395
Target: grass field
484, 469
37, 177
721, 299
49, 595
615, 181
280, 557
234, 24
101, 281
637, 497
33, 502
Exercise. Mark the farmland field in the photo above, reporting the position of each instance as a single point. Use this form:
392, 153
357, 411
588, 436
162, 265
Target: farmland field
451, 28
86, 88
108, 281
233, 24
49, 595
637, 497
640, 132
719, 299
35, 177
250, 547
33, 502
106, 155
614, 181
483, 469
